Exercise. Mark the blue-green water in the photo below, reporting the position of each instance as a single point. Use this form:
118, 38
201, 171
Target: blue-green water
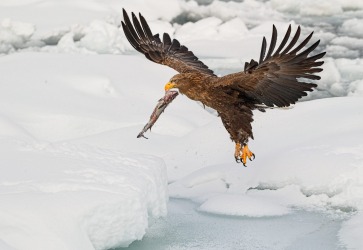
186, 228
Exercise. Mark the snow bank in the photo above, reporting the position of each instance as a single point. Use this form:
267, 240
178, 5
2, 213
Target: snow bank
66, 197
14, 35
55, 194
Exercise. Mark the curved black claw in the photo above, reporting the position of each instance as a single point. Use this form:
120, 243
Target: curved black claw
244, 164
253, 155
238, 160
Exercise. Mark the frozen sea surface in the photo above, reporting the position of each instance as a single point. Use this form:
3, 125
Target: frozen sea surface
186, 228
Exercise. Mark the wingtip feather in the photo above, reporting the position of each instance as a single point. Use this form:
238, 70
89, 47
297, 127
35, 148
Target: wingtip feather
263, 49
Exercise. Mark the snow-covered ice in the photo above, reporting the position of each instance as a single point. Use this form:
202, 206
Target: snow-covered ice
317, 167
59, 195
67, 197
74, 94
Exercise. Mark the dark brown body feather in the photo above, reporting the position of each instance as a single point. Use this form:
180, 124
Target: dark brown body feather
273, 81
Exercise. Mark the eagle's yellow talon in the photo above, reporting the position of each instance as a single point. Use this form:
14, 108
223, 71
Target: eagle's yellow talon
242, 153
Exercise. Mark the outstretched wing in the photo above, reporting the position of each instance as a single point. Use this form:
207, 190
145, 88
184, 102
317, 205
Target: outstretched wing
273, 81
168, 52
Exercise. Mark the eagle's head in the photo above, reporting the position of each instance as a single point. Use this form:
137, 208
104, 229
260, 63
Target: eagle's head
183, 82
174, 82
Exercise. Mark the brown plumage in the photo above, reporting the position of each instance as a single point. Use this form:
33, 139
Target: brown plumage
270, 82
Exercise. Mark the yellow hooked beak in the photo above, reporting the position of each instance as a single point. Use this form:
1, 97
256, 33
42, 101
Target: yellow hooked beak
169, 85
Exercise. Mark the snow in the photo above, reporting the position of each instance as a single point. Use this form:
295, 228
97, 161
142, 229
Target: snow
14, 35
242, 206
332, 160
348, 42
356, 88
214, 27
58, 195
352, 27
67, 197
309, 8
351, 232
102, 37
74, 95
